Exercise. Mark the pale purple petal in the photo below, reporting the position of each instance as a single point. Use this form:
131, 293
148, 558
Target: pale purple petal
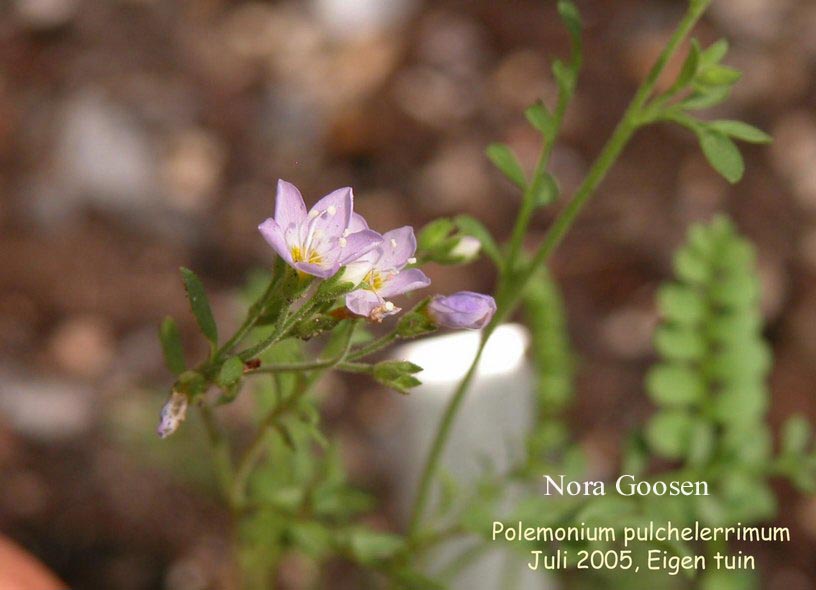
172, 414
333, 213
357, 223
358, 244
289, 206
274, 236
363, 302
464, 309
323, 270
398, 246
405, 281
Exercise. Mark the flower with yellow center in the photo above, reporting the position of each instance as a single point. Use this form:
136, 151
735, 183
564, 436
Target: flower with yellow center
320, 241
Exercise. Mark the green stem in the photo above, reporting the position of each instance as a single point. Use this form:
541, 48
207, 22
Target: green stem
256, 447
256, 310
374, 346
221, 452
279, 333
510, 297
441, 439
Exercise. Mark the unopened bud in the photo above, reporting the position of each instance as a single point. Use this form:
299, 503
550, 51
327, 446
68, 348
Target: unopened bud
172, 414
466, 249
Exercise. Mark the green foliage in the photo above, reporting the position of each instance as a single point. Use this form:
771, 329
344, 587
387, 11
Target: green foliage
505, 160
416, 322
553, 362
710, 383
705, 82
200, 305
722, 153
542, 120
714, 360
398, 375
231, 372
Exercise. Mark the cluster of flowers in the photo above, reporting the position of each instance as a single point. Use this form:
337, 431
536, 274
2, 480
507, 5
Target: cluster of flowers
331, 236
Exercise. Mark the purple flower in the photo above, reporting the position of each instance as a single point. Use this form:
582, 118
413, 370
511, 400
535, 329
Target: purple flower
464, 309
382, 270
321, 241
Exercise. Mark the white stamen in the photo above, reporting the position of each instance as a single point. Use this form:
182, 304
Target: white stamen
331, 210
346, 232
393, 243
412, 260
313, 213
388, 306
342, 242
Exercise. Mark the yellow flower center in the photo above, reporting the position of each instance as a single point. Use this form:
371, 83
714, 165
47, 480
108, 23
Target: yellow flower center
309, 256
374, 280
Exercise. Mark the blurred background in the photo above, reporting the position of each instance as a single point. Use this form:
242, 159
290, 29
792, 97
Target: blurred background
137, 136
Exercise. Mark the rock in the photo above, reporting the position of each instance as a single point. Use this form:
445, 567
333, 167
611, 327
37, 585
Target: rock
83, 346
102, 157
628, 332
455, 180
361, 18
793, 153
192, 168
46, 410
45, 14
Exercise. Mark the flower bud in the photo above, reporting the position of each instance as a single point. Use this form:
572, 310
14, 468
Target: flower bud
464, 309
466, 250
172, 414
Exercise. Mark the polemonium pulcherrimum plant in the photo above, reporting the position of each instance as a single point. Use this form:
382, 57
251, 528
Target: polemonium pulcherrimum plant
334, 275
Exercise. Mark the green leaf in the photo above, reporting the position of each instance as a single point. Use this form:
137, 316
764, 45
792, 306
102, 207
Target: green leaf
571, 17
729, 580
741, 360
677, 343
231, 371
668, 433
434, 233
690, 66
397, 375
741, 131
680, 304
706, 98
716, 76
741, 404
672, 385
541, 118
369, 546
547, 190
723, 155
565, 77
702, 443
311, 537
471, 226
691, 267
171, 346
505, 160
796, 435
714, 53
407, 579
200, 306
